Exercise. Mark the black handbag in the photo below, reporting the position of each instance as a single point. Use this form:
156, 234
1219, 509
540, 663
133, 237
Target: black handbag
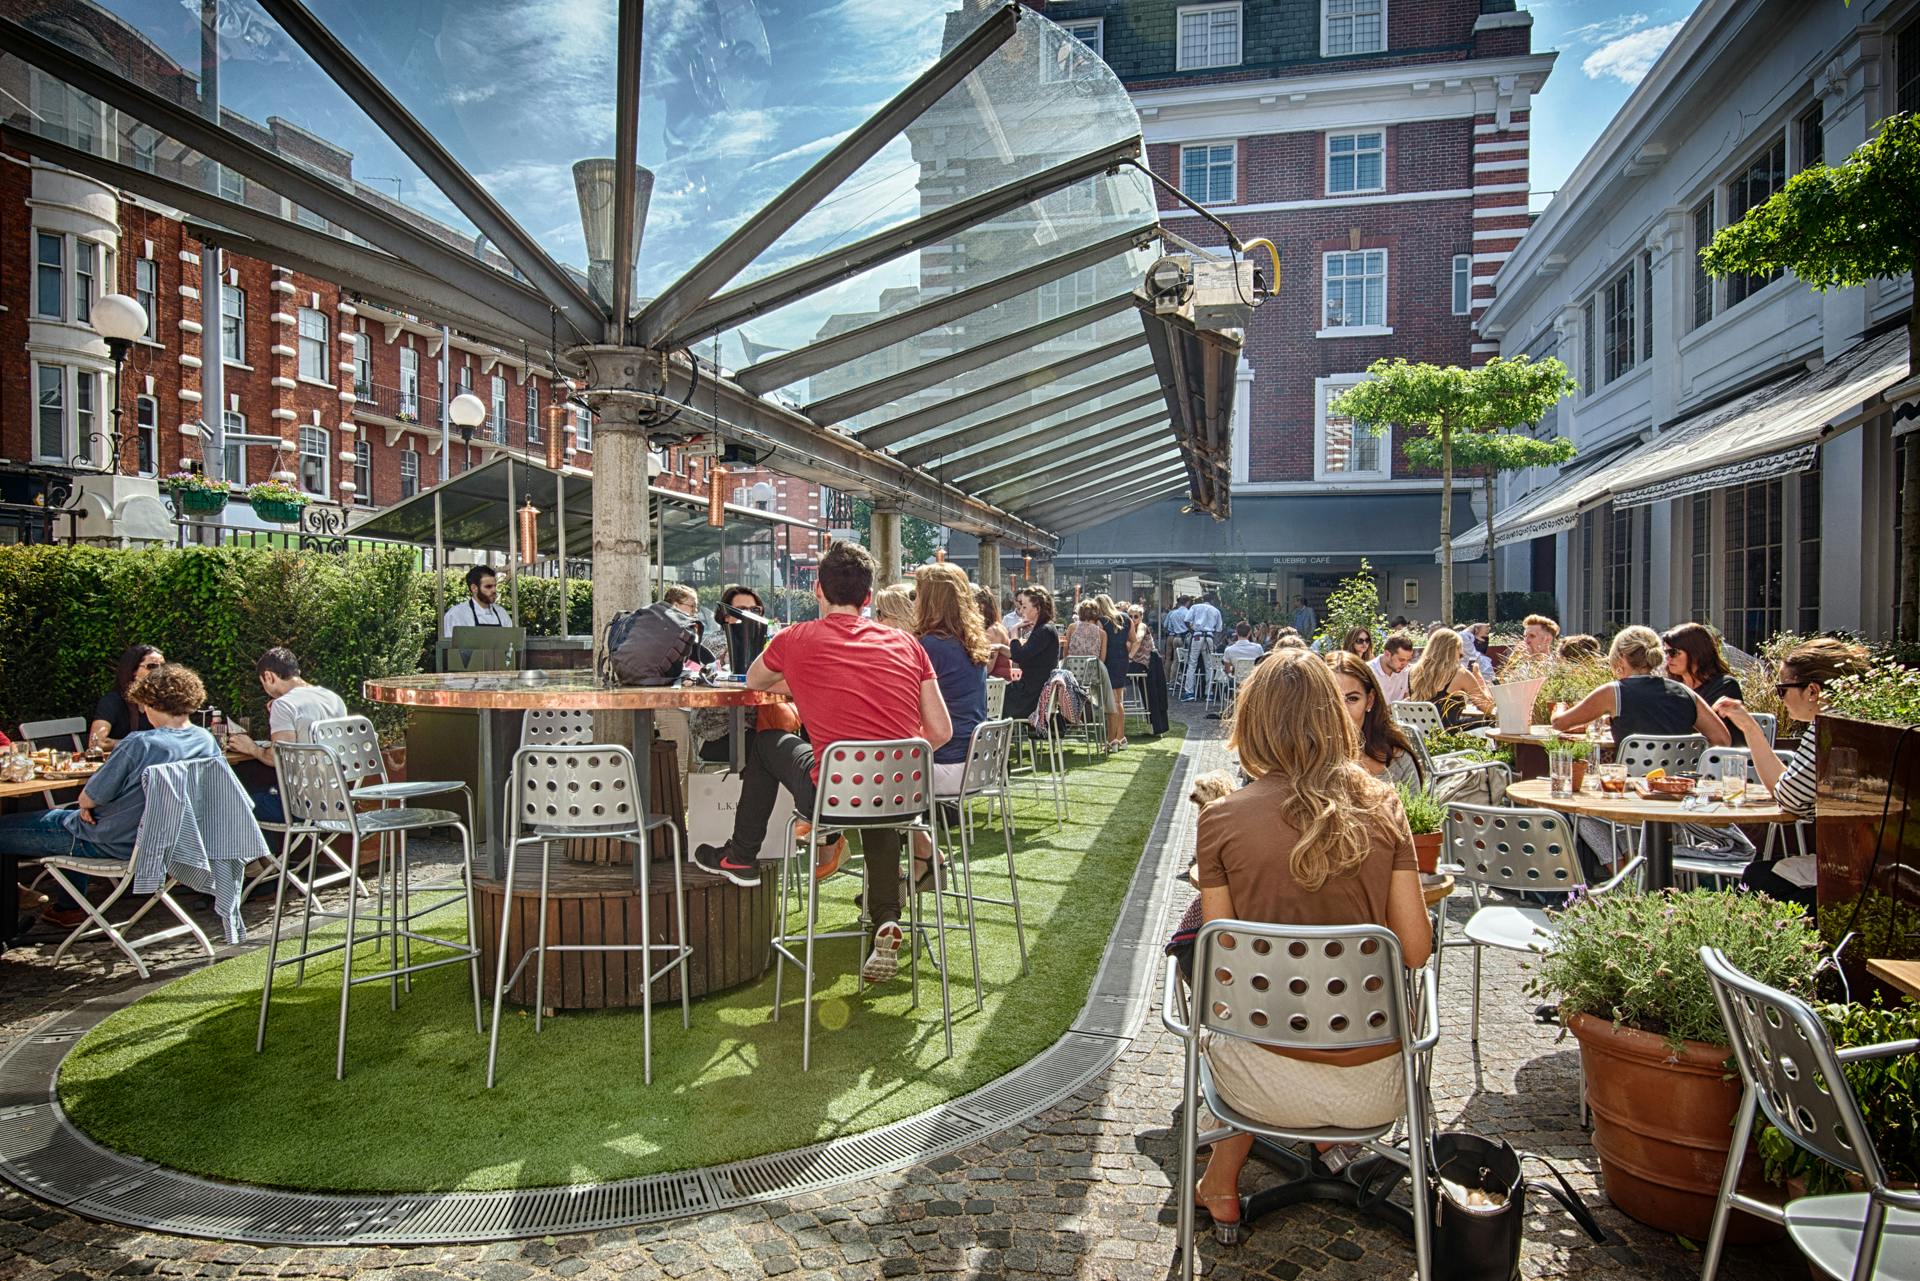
1482, 1243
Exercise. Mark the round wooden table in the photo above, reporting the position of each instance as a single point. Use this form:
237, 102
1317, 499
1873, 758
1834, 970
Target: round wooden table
1656, 817
599, 903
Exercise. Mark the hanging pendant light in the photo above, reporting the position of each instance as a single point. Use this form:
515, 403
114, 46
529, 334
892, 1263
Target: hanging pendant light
717, 496
554, 420
529, 532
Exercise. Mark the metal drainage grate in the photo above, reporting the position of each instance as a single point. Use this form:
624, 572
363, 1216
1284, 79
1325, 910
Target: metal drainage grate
42, 1152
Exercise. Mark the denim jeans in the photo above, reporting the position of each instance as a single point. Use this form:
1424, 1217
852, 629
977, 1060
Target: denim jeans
267, 807
43, 832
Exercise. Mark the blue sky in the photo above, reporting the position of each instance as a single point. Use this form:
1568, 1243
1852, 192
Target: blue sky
1605, 48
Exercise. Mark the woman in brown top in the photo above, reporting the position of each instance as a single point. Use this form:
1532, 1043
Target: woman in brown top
1313, 839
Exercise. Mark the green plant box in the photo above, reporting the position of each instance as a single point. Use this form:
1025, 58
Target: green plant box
285, 513
204, 501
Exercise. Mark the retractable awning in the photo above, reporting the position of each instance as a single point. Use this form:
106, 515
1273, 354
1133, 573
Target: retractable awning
1774, 430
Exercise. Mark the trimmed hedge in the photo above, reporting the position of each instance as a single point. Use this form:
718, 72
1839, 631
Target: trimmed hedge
67, 613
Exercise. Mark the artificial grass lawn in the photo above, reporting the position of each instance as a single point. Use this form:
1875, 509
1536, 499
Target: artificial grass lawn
174, 1077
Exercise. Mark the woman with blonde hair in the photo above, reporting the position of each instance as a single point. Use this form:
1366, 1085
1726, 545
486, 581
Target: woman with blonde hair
1313, 839
1640, 699
1440, 676
999, 662
894, 606
1114, 622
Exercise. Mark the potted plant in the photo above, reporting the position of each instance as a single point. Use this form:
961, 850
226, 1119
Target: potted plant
273, 500
1626, 974
1425, 816
1886, 1090
1579, 749
194, 491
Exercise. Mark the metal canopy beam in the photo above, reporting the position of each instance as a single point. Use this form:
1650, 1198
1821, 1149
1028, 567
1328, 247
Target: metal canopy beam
697, 287
980, 433
1101, 506
1117, 435
782, 287
1088, 519
962, 469
626, 146
948, 368
801, 448
576, 305
1092, 474
778, 371
1166, 471
270, 239
882, 390
461, 272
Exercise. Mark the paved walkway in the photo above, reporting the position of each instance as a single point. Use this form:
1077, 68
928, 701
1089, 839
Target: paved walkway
1082, 1190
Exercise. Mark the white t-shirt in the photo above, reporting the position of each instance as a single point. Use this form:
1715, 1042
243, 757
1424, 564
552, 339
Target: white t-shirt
1392, 684
1243, 649
296, 710
467, 614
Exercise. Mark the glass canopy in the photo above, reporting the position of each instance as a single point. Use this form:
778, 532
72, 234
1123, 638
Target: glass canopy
909, 234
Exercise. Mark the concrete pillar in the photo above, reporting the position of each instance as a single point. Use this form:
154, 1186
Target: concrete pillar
1043, 571
989, 573
883, 540
621, 537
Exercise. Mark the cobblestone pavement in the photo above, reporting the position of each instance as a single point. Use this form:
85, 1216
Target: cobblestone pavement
1082, 1190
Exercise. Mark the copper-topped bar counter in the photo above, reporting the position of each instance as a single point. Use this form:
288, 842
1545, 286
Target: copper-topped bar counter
595, 902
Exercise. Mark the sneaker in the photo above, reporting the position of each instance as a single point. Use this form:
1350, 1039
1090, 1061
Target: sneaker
884, 963
720, 860
826, 858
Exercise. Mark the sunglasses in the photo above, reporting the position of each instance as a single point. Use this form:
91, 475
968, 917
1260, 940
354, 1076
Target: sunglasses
1780, 688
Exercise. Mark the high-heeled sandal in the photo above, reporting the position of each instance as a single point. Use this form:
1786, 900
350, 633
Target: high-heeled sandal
1225, 1231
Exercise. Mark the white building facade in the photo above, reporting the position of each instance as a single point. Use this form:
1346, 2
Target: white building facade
1738, 462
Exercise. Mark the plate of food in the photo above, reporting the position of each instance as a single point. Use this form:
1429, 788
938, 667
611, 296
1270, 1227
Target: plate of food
1658, 785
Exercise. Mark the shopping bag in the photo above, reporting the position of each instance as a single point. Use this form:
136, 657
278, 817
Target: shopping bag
711, 802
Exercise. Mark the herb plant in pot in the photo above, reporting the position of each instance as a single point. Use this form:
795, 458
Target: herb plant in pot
1579, 750
1625, 971
1425, 816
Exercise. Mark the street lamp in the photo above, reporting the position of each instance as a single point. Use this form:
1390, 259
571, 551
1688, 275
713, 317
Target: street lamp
467, 411
120, 320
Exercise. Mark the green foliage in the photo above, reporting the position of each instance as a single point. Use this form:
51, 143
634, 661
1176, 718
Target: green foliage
1578, 748
1244, 595
1457, 742
1888, 691
918, 538
1568, 682
1354, 603
1635, 958
273, 491
1424, 814
66, 613
1888, 1091
1835, 225
200, 482
1513, 606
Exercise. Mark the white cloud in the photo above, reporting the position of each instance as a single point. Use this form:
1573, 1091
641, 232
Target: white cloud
1628, 58
1597, 33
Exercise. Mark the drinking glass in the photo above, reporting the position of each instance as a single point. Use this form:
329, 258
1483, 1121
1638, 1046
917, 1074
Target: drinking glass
1613, 777
1733, 783
1561, 766
1843, 772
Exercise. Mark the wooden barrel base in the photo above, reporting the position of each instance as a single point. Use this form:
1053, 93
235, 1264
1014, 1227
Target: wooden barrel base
728, 927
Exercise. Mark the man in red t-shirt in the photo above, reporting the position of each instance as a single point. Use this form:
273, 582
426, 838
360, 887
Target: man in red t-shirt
851, 679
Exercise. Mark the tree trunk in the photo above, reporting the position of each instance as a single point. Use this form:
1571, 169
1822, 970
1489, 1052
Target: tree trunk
1908, 582
1493, 563
1446, 527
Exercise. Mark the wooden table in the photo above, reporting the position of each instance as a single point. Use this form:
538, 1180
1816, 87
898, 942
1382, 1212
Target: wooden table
1657, 818
9, 861
1435, 886
1904, 975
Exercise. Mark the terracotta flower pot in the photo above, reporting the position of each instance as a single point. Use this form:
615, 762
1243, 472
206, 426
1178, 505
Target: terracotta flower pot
1660, 1128
1579, 775
1426, 850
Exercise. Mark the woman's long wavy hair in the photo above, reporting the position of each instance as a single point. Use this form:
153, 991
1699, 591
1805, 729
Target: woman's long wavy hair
1433, 672
1288, 721
1380, 735
1109, 612
944, 606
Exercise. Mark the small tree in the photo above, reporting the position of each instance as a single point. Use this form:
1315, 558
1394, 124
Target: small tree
1845, 225
1354, 603
1512, 394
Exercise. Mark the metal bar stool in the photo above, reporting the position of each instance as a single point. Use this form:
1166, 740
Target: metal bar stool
1092, 676
1054, 777
588, 791
863, 786
985, 779
314, 789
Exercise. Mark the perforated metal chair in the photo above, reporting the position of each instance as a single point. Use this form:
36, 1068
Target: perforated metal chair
585, 791
1134, 704
996, 697
1441, 769
1499, 850
1304, 987
1218, 677
556, 727
356, 745
985, 779
44, 733
1674, 753
1717, 853
1419, 715
1791, 1073
321, 805
863, 786
1046, 749
1769, 725
1091, 673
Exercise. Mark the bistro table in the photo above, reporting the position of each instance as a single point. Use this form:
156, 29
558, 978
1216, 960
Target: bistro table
1657, 817
1904, 975
9, 861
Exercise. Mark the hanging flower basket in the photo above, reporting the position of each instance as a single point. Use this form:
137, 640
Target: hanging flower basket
196, 493
276, 502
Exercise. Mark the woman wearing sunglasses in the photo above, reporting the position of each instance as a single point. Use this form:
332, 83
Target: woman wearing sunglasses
1804, 673
115, 716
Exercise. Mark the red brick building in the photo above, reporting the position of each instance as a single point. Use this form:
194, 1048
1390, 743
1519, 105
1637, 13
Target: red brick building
1382, 147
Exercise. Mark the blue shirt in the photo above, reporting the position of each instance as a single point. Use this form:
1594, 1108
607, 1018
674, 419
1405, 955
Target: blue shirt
119, 799
963, 687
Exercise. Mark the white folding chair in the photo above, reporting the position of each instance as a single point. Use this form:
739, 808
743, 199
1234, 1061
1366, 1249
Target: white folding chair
43, 733
1219, 680
1791, 1073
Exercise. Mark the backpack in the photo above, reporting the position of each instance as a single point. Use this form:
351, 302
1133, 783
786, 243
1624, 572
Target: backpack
651, 646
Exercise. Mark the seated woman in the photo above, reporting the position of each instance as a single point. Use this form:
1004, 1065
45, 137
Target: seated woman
1442, 677
894, 607
1035, 650
1313, 839
1694, 659
1804, 674
948, 624
1639, 699
1358, 640
1579, 648
1385, 751
998, 642
114, 717
1084, 637
107, 818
